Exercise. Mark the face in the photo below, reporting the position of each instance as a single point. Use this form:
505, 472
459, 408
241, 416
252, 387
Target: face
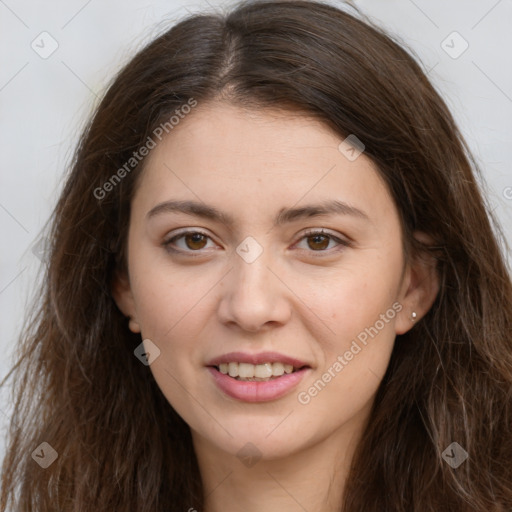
284, 252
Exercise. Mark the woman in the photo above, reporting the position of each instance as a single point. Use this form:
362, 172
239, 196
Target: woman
273, 285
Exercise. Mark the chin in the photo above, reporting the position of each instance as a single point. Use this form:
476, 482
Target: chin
253, 438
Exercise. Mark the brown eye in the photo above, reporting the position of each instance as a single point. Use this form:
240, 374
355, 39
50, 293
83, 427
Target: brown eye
195, 240
319, 242
188, 241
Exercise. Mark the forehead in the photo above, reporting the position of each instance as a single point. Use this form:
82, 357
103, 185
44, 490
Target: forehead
250, 161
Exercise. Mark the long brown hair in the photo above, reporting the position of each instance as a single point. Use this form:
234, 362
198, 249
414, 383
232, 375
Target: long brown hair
78, 387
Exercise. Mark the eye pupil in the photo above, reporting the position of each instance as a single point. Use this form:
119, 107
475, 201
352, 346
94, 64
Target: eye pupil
196, 238
323, 245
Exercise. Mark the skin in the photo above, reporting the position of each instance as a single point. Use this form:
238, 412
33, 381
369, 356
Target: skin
305, 297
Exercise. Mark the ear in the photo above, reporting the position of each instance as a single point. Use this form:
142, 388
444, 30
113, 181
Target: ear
123, 297
420, 287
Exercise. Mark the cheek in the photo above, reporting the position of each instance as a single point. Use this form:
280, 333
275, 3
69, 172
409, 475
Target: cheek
361, 311
171, 313
344, 390
359, 351
169, 298
354, 302
355, 355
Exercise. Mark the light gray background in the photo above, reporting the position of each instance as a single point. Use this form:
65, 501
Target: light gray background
44, 102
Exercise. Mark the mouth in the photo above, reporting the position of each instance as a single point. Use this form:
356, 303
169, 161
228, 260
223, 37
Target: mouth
260, 377
264, 372
255, 378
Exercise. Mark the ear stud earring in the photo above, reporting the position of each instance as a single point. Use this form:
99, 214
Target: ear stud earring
413, 316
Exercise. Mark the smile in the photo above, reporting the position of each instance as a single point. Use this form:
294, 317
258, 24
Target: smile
255, 373
257, 389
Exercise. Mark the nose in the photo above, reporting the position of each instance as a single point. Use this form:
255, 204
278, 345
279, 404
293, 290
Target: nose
254, 295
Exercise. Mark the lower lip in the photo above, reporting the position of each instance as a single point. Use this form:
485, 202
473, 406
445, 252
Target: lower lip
257, 391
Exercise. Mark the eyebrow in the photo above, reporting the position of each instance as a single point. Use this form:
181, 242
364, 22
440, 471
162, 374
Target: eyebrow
285, 215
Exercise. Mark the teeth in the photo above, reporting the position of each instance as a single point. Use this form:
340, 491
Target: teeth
246, 371
233, 369
277, 369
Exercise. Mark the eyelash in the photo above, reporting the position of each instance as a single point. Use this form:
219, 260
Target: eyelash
341, 243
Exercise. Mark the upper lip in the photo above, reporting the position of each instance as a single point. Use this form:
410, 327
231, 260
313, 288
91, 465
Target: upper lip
261, 358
